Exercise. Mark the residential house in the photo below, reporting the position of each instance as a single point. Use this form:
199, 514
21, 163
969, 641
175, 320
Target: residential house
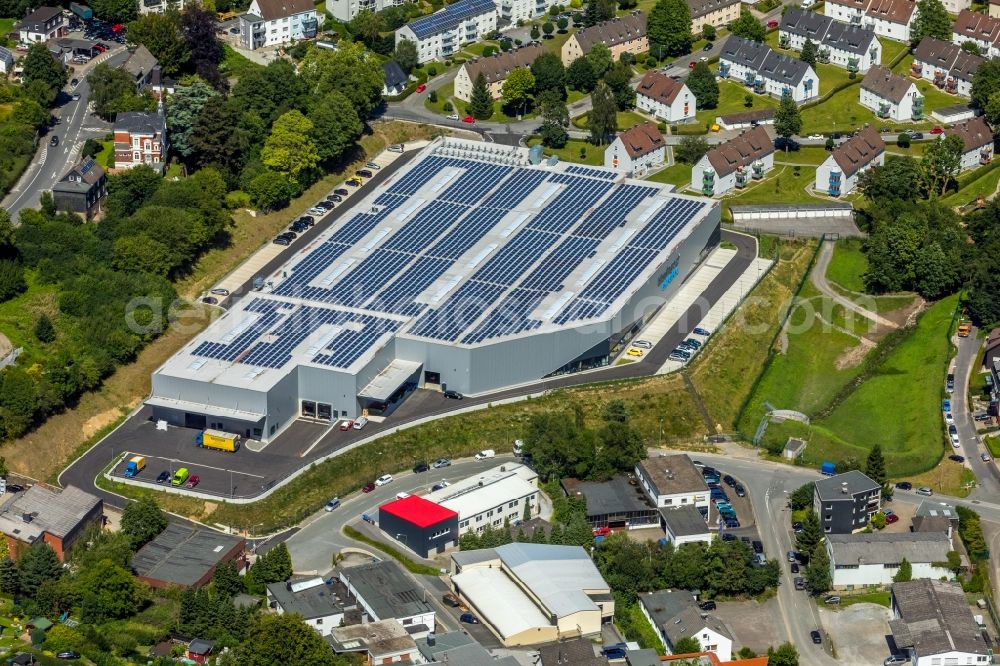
385, 592
665, 98
382, 642
444, 32
862, 560
840, 172
846, 11
140, 65
345, 10
625, 34
513, 11
395, 79
849, 46
992, 348
674, 614
6, 60
460, 649
312, 598
160, 6
199, 650
41, 25
891, 96
933, 624
636, 150
613, 503
746, 119
977, 142
955, 6
981, 29
275, 22
767, 72
946, 65
575, 651
672, 480
140, 138
716, 13
684, 524
846, 502
732, 164
82, 189
495, 69
891, 18
56, 517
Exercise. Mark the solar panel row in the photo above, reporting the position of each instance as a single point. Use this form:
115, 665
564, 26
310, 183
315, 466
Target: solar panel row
450, 17
458, 312
477, 180
558, 264
509, 317
399, 297
613, 211
515, 190
593, 173
665, 224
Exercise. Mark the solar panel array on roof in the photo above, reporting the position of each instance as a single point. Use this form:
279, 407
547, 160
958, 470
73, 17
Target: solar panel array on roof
593, 173
450, 17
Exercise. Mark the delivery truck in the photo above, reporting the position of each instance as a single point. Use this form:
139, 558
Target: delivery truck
216, 439
135, 465
964, 328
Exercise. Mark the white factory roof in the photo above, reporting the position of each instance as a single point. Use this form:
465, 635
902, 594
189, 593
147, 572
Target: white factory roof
475, 494
510, 610
557, 575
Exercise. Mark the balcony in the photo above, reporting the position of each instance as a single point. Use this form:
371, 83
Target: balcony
951, 86
724, 70
918, 108
835, 178
915, 69
758, 86
985, 156
883, 110
309, 27
758, 169
784, 41
708, 190
749, 78
447, 38
852, 64
707, 178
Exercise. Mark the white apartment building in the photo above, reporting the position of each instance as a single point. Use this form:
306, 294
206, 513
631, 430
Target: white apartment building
41, 25
444, 32
492, 498
495, 69
888, 18
767, 72
840, 172
636, 150
863, 560
665, 98
945, 65
890, 95
981, 29
849, 46
734, 164
277, 22
977, 141
345, 10
523, 10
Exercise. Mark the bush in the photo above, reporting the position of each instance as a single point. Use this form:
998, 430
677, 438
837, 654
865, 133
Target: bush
238, 199
432, 97
447, 107
11, 280
431, 70
903, 141
651, 61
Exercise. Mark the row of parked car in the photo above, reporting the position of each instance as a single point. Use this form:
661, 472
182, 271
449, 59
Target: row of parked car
727, 514
325, 206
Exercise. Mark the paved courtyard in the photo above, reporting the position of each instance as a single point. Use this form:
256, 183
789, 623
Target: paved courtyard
858, 632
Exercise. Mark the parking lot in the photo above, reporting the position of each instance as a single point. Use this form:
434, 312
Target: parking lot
216, 479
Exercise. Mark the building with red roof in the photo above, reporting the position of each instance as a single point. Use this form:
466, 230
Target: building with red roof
423, 526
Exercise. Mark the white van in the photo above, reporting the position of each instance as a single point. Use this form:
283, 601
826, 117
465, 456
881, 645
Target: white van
360, 423
487, 453
518, 447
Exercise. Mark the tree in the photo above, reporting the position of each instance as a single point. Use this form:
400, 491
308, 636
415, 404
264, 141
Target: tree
227, 580
549, 74
748, 27
708, 32
142, 520
818, 579
115, 11
481, 102
183, 110
555, 117
271, 190
598, 11
787, 120
548, 28
785, 655
905, 573
619, 79
669, 28
603, 119
703, 86
113, 91
802, 497
748, 101
562, 23
37, 565
39, 65
10, 581
405, 55
108, 592
198, 30
44, 330
940, 162
808, 54
217, 137
932, 20
535, 34
290, 148
580, 75
970, 46
600, 59
336, 126
810, 536
899, 178
875, 465
284, 639
517, 88
985, 82
686, 645
161, 34
691, 149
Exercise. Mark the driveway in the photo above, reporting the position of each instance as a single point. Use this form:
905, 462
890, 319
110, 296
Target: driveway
858, 632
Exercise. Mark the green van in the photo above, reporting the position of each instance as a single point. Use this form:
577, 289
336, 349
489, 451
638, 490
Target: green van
179, 477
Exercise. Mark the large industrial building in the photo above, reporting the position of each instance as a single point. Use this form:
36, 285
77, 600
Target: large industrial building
469, 269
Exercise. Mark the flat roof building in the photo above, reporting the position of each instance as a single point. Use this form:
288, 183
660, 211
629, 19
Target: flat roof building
460, 649
492, 498
846, 502
318, 604
185, 555
527, 593
423, 526
672, 481
684, 524
56, 517
468, 268
386, 592
614, 503
933, 624
384, 642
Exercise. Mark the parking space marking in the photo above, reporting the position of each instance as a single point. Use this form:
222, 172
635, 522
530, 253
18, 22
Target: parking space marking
183, 463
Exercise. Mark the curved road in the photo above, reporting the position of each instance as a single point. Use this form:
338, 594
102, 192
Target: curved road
821, 282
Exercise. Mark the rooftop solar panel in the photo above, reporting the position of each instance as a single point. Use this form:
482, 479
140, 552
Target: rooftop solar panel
450, 17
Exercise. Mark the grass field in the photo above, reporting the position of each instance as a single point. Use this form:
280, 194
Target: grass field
984, 185
6, 26
625, 120
577, 151
731, 100
444, 94
814, 155
780, 185
948, 478
235, 65
678, 175
848, 264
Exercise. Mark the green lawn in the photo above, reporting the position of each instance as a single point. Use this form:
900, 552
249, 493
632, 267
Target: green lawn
731, 100
625, 119
443, 94
573, 96
849, 263
829, 75
6, 27
234, 65
891, 50
934, 98
558, 39
814, 155
984, 184
107, 155
780, 185
678, 174
592, 155
880, 598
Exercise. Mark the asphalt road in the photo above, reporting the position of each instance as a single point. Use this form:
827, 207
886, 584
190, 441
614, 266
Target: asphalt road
987, 476
76, 124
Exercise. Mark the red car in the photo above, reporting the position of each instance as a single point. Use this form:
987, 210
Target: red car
692, 64
346, 425
468, 119
422, 87
772, 24
602, 531
937, 130
889, 520
192, 481
368, 487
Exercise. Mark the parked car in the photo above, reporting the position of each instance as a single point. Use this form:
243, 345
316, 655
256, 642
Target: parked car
54, 141
985, 457
946, 405
800, 583
602, 531
318, 212
210, 300
617, 651
363, 173
281, 240
192, 481
453, 116
451, 600
957, 458
383, 480
340, 191
794, 567
68, 654
635, 352
916, 135
396, 148
792, 556
372, 165
420, 467
368, 487
948, 418
422, 87
440, 485
772, 24
740, 490
486, 454
936, 130
441, 462
904, 485
707, 605
832, 599
468, 618
163, 477
468, 119
896, 659
219, 291
332, 504
816, 637
729, 480
76, 97
691, 343
889, 520
643, 344
701, 331
707, 47
728, 537
758, 546
346, 425
924, 490
674, 356
452, 395
360, 423
731, 523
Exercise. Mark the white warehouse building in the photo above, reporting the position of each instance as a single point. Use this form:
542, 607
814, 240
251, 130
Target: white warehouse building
492, 498
861, 560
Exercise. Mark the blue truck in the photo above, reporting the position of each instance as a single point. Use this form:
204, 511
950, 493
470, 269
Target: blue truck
828, 469
83, 11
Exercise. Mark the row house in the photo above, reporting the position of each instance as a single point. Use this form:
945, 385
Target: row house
977, 142
887, 18
734, 164
946, 65
852, 47
495, 69
665, 98
840, 172
767, 72
441, 34
716, 13
891, 96
625, 34
980, 29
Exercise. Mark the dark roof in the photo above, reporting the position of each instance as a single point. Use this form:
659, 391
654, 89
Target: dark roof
855, 482
418, 511
936, 52
498, 67
576, 651
613, 496
394, 74
310, 597
140, 122
677, 613
183, 553
81, 177
934, 508
277, 9
888, 547
748, 116
740, 151
975, 133
200, 646
56, 512
616, 31
450, 17
386, 590
894, 11
849, 38
673, 473
140, 62
642, 139
965, 65
976, 26
886, 84
458, 648
805, 23
700, 8
931, 524
36, 20
767, 63
684, 520
744, 51
660, 87
935, 618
